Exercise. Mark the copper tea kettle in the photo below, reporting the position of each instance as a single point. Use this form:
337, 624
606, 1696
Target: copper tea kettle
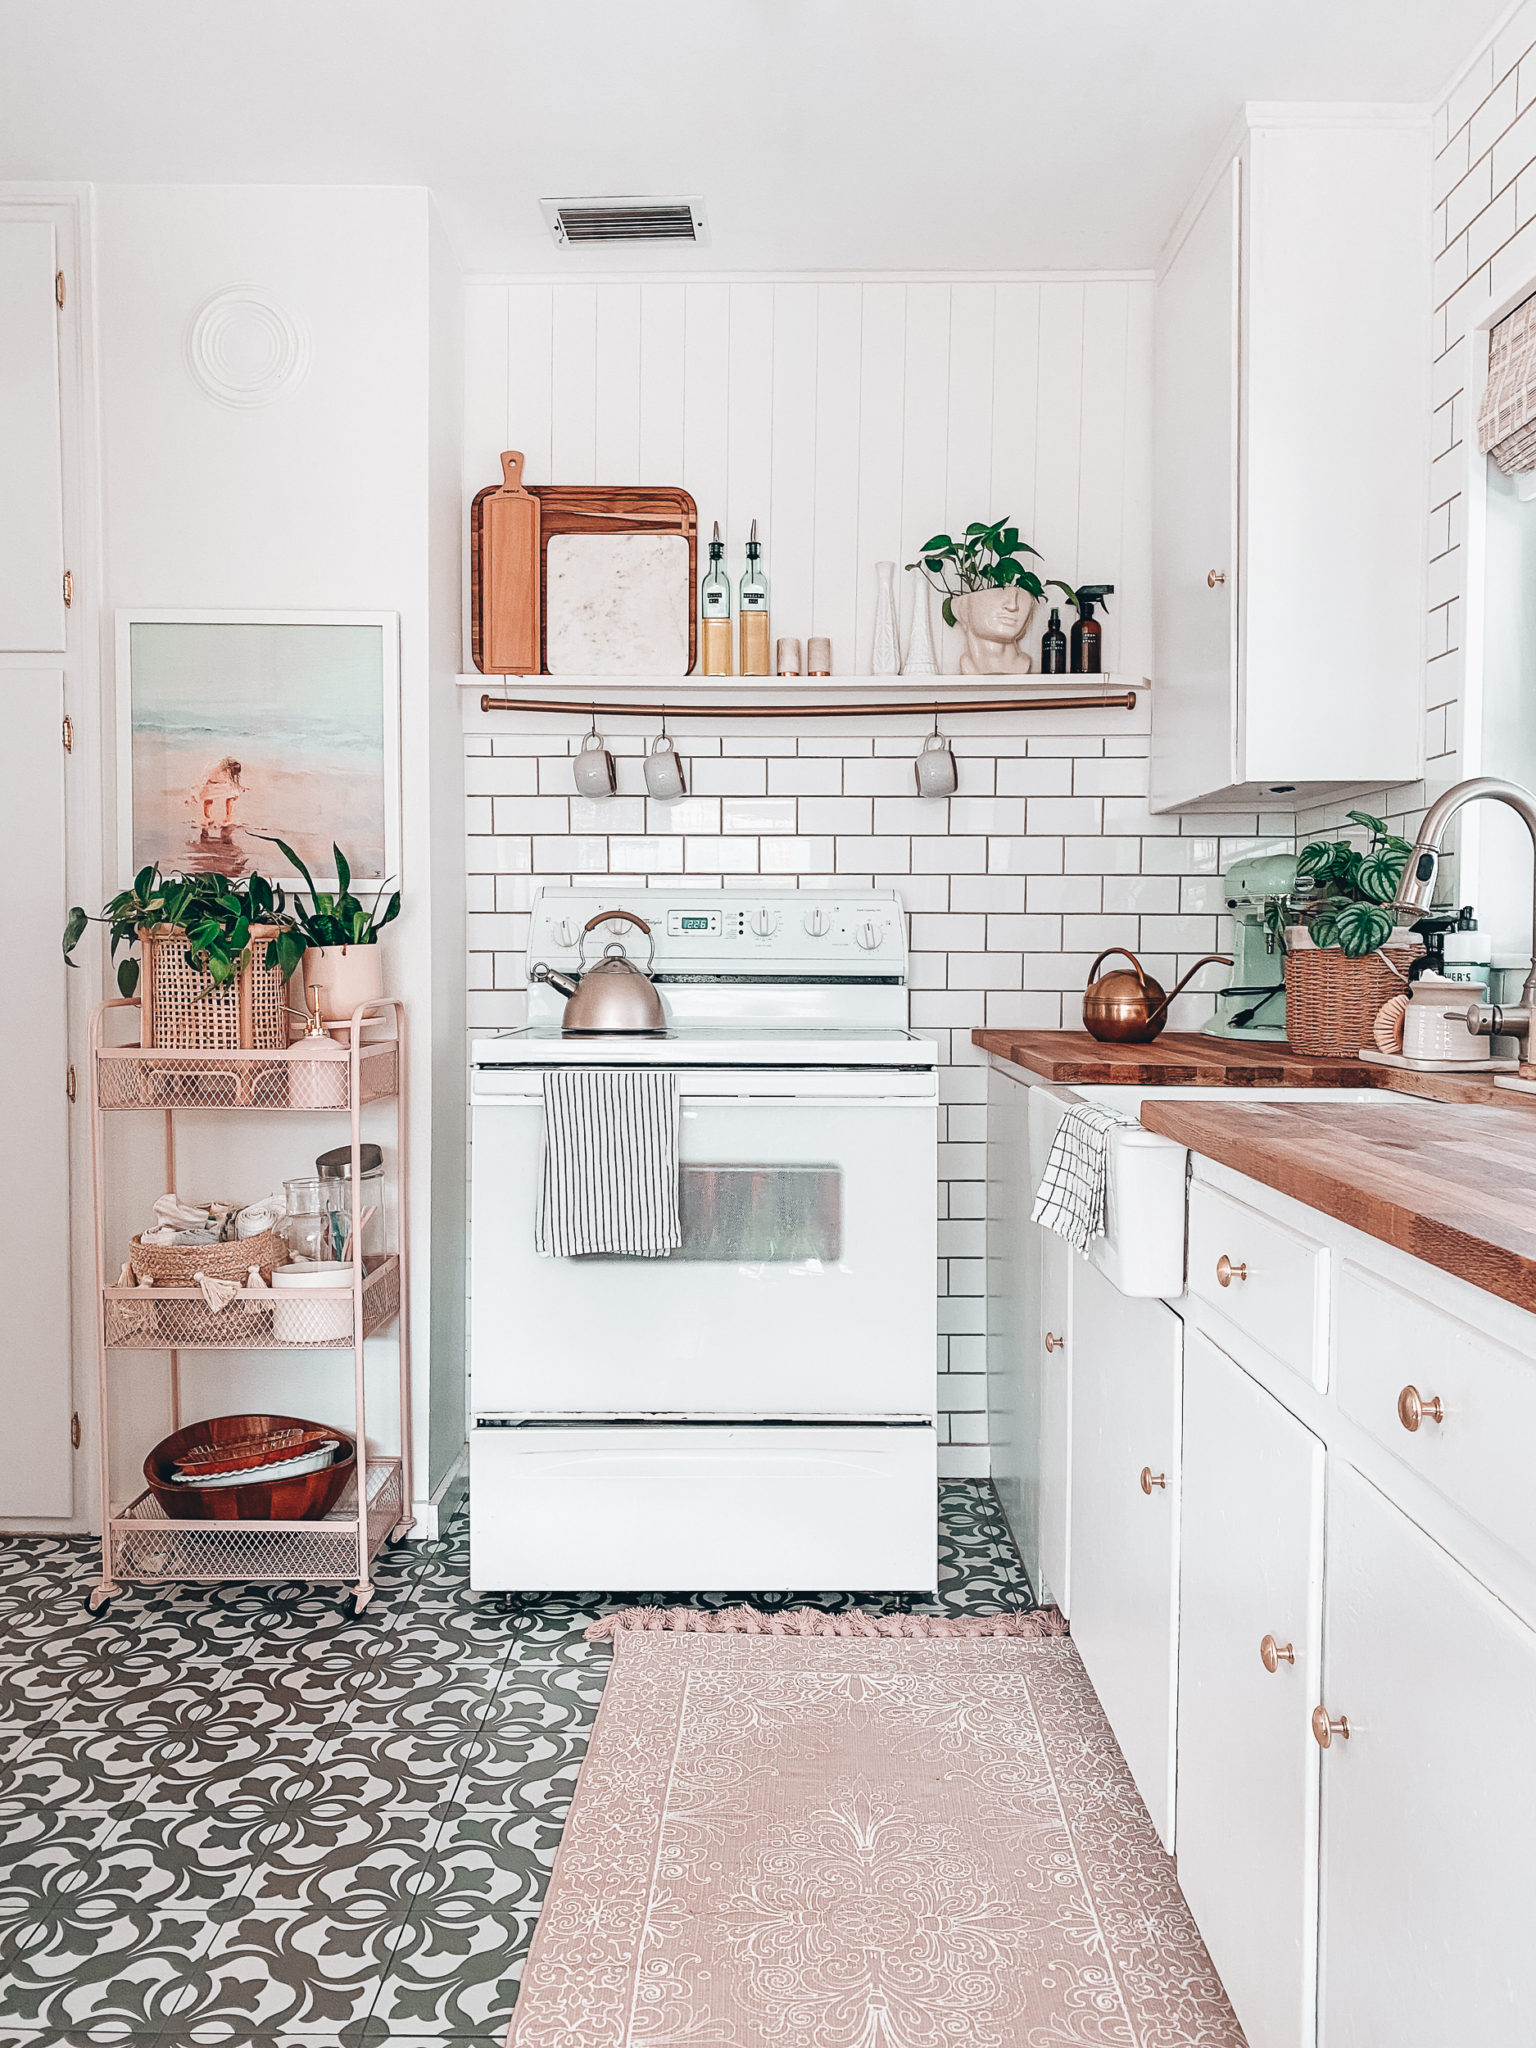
612, 997
1127, 1008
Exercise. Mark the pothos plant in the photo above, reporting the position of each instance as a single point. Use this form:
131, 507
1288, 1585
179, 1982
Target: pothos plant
1351, 888
216, 913
984, 558
332, 917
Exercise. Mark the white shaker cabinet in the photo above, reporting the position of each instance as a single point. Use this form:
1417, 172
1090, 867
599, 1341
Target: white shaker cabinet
1125, 1520
1429, 1806
1291, 411
1250, 1596
31, 472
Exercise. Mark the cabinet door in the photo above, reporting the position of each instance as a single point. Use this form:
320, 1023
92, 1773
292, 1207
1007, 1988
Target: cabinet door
1053, 1340
31, 469
1429, 1808
1125, 1424
1250, 1566
1013, 1386
35, 1475
1195, 417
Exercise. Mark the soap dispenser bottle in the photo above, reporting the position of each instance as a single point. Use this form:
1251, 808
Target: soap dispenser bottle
754, 611
1053, 647
1087, 633
1467, 953
715, 613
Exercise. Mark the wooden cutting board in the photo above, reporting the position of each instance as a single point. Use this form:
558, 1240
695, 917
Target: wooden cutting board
506, 639
560, 509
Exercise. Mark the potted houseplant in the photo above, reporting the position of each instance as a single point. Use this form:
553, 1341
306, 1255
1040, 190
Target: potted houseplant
1335, 930
989, 592
196, 937
337, 937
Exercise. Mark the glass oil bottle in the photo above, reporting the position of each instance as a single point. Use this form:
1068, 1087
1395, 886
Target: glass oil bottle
754, 612
715, 613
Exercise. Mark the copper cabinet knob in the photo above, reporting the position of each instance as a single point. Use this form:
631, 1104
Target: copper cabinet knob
1272, 1654
1149, 1479
1414, 1408
1226, 1272
1055, 1343
1324, 1729
1215, 576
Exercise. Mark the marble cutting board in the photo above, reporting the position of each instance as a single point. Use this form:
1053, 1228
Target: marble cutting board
617, 604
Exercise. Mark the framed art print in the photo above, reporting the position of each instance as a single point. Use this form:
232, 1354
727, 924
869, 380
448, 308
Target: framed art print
236, 728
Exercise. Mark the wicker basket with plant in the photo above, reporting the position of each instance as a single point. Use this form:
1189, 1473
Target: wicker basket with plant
1339, 968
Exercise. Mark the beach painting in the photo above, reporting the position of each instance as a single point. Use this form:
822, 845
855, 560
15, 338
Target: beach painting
235, 729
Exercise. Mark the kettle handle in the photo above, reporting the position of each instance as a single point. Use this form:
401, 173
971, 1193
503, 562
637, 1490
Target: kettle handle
1125, 953
628, 916
1220, 959
618, 917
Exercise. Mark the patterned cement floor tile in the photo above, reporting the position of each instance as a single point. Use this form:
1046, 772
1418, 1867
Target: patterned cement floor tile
298, 1828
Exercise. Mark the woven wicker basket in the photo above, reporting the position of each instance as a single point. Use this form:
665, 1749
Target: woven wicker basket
183, 1011
178, 1265
1331, 1001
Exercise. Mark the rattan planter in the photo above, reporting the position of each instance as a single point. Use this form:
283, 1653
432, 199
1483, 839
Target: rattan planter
1331, 1001
183, 1011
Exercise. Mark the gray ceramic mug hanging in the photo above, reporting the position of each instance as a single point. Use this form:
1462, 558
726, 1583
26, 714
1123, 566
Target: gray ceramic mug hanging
593, 767
664, 771
935, 767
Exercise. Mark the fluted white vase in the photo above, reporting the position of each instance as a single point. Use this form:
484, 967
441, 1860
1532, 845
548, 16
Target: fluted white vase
920, 660
885, 651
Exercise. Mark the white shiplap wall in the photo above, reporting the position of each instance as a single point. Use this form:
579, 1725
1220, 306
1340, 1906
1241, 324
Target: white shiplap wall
851, 418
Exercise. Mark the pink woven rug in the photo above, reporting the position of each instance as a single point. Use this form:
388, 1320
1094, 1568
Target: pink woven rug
787, 1841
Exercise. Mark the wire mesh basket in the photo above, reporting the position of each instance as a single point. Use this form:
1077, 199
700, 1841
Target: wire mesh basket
134, 1077
178, 1318
183, 1008
147, 1548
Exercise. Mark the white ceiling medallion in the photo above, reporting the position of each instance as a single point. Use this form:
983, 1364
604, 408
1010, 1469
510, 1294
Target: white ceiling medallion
244, 349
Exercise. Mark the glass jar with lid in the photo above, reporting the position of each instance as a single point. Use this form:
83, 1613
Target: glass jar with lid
335, 1171
304, 1225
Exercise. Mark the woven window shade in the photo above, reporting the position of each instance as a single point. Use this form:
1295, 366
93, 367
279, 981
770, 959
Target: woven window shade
1506, 420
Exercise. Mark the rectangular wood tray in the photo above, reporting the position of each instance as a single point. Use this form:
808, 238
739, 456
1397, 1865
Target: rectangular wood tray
591, 508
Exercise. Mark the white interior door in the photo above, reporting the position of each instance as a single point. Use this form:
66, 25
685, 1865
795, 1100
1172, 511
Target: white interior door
1195, 495
1429, 1808
35, 1395
1250, 1566
1125, 1422
31, 468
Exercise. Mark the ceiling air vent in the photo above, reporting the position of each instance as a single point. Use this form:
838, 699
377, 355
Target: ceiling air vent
625, 220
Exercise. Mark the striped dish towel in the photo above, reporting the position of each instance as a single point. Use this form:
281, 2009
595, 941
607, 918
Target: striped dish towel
610, 1163
1071, 1196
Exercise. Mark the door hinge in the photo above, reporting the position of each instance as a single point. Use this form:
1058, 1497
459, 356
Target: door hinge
67, 733
69, 588
69, 1084
58, 288
74, 1430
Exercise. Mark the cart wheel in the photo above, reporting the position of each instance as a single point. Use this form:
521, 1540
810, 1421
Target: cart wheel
98, 1600
360, 1601
401, 1528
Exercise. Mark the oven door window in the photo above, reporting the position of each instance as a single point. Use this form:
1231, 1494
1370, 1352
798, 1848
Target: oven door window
767, 1214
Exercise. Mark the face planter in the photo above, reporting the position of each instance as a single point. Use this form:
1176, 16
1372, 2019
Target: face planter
995, 623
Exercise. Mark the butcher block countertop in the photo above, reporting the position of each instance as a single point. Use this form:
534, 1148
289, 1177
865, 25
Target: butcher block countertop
1453, 1184
1178, 1059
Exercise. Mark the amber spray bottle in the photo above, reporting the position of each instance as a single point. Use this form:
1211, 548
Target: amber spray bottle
754, 612
715, 613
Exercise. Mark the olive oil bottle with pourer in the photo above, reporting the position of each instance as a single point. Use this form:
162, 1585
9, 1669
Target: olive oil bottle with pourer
753, 603
715, 613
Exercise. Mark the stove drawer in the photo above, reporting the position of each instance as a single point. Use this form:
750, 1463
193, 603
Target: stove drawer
652, 1507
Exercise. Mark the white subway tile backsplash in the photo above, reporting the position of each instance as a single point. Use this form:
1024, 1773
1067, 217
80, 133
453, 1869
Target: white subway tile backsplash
761, 814
631, 856
837, 814
804, 776
608, 814
936, 934
688, 814
1049, 815
1141, 893
532, 813
729, 775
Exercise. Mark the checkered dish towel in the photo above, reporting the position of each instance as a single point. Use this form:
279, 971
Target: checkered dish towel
1071, 1196
609, 1181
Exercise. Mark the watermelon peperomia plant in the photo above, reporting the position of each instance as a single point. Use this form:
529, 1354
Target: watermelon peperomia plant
1351, 889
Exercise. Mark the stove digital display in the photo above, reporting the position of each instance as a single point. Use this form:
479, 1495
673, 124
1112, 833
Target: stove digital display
693, 923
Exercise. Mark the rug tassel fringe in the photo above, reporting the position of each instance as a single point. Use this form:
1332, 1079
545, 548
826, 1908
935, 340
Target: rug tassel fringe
811, 1621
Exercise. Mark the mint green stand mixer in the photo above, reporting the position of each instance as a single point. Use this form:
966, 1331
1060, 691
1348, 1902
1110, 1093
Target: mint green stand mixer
1253, 1003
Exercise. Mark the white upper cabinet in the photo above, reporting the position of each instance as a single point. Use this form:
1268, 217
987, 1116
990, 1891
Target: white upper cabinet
1291, 440
31, 470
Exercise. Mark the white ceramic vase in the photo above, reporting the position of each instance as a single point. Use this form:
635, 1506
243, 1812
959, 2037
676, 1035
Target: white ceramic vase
885, 649
920, 659
345, 977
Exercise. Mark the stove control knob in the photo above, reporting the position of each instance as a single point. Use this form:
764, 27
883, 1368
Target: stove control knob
869, 935
764, 922
817, 923
566, 933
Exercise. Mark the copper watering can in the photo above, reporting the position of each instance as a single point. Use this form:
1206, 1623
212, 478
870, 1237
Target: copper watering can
1129, 1008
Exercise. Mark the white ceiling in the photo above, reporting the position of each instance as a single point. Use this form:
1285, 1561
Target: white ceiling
823, 134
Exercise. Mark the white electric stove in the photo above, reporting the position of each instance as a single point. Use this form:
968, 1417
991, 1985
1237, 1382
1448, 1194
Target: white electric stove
756, 1411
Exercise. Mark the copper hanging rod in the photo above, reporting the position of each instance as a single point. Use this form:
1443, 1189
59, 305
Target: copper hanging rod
582, 708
